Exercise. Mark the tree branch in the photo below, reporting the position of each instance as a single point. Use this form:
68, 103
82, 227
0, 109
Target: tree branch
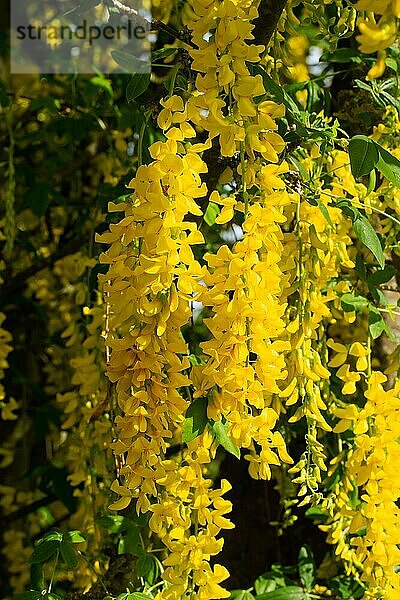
19, 281
29, 508
156, 24
269, 13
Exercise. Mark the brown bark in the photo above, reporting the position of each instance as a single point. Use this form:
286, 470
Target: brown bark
269, 13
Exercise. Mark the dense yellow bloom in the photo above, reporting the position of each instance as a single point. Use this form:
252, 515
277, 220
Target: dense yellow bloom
376, 36
277, 338
7, 406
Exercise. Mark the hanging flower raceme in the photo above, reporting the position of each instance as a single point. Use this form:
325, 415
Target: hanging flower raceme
243, 360
152, 279
246, 360
369, 537
7, 405
315, 252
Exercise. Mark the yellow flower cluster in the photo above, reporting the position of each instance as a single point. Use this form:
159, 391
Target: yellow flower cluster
225, 90
377, 34
373, 523
7, 406
316, 251
152, 278
16, 548
74, 378
246, 359
278, 347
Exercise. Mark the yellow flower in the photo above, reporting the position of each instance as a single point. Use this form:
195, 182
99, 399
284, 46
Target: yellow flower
341, 355
8, 408
349, 378
362, 353
378, 68
376, 36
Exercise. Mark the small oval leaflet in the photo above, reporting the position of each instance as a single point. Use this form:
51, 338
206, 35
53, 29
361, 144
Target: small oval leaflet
363, 154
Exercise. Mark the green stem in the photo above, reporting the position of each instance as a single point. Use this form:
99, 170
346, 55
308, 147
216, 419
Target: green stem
364, 206
100, 579
246, 212
390, 312
141, 138
369, 368
173, 78
53, 572
244, 188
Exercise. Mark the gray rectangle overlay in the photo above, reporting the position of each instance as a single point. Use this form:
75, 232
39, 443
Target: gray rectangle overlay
81, 36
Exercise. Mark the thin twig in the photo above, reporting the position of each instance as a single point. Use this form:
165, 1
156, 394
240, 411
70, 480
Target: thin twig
30, 508
154, 23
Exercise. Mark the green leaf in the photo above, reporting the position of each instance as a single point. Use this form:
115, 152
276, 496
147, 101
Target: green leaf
211, 213
195, 420
131, 63
379, 296
306, 567
130, 543
362, 85
137, 85
221, 435
367, 235
392, 64
114, 523
265, 583
52, 535
103, 83
137, 596
74, 536
383, 276
352, 303
371, 181
146, 567
28, 596
37, 577
342, 55
388, 165
68, 554
360, 267
376, 323
241, 595
292, 592
44, 551
348, 209
313, 95
162, 53
363, 154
